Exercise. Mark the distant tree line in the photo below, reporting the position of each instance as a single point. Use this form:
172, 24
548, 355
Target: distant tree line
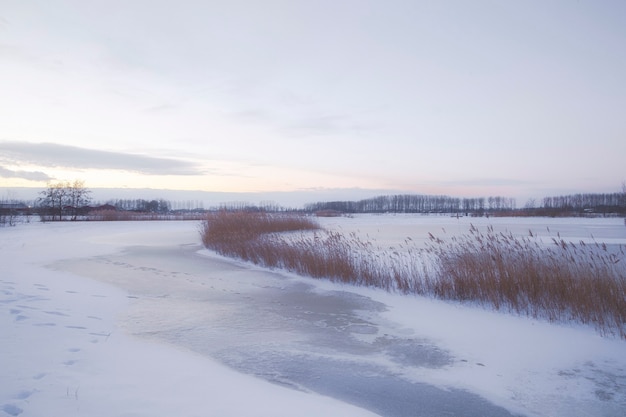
141, 205
165, 206
568, 205
263, 206
580, 203
417, 203
66, 200
12, 211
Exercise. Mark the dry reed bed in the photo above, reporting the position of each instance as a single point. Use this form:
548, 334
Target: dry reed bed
560, 282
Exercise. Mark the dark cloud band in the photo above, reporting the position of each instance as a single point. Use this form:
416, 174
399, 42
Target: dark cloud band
26, 175
55, 155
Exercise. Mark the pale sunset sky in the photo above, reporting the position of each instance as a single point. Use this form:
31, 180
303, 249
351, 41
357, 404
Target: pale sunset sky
464, 98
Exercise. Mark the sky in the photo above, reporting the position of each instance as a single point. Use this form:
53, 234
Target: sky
464, 98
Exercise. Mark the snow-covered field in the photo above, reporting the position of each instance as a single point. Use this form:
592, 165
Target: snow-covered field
136, 319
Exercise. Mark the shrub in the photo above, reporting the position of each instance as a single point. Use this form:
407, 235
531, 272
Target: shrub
561, 282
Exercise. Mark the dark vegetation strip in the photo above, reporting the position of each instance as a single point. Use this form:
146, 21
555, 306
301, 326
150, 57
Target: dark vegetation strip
115, 215
563, 282
568, 205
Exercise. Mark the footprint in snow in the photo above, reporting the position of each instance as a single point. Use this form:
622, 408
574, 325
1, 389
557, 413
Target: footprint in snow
12, 409
28, 307
56, 313
107, 335
22, 395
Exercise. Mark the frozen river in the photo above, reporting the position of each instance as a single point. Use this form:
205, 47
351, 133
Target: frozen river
289, 332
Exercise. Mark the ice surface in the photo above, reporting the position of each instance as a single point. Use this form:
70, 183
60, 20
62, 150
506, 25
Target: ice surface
63, 352
136, 319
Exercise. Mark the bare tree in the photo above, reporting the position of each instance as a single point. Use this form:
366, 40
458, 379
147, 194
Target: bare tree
63, 197
624, 198
6, 217
78, 197
51, 201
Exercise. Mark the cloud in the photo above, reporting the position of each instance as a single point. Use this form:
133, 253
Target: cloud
27, 175
55, 155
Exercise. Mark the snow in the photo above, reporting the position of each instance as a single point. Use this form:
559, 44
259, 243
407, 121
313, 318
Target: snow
63, 353
72, 345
